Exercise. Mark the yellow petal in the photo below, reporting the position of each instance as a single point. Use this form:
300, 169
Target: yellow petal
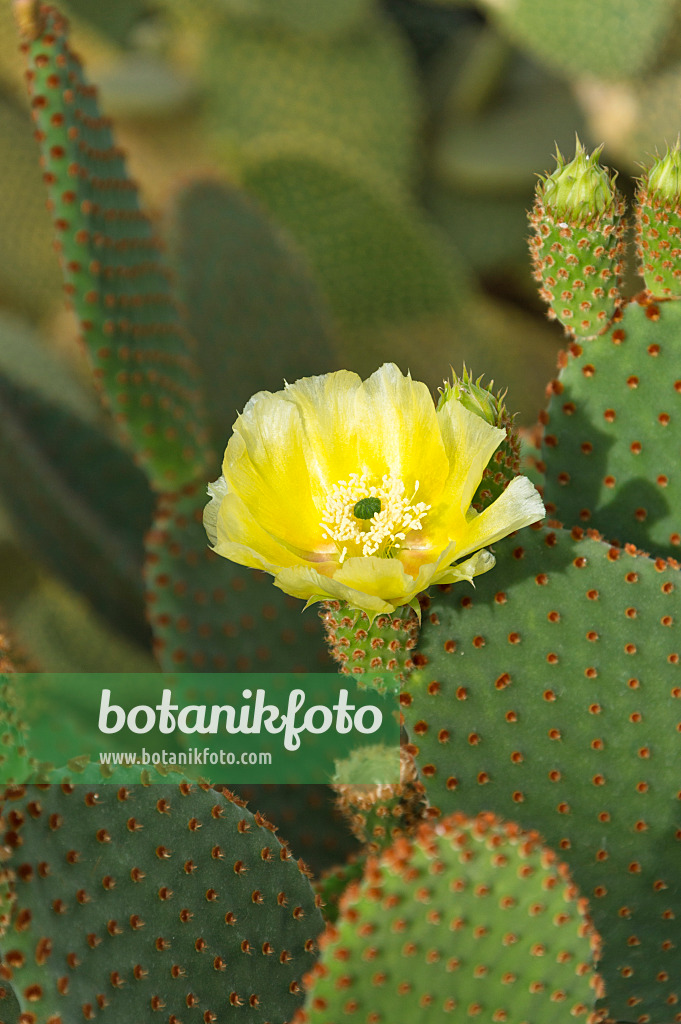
380, 577
519, 505
217, 490
326, 405
399, 432
266, 465
470, 443
308, 584
384, 425
243, 539
481, 561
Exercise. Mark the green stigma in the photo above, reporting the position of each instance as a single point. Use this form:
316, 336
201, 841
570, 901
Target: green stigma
366, 508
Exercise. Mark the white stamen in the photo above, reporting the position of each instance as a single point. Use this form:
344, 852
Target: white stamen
379, 535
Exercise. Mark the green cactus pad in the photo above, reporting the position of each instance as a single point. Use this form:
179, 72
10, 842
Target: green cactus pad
611, 433
209, 614
377, 654
608, 39
248, 292
10, 1009
15, 760
137, 902
577, 243
552, 696
30, 280
307, 819
503, 113
112, 268
658, 225
82, 771
325, 18
78, 503
27, 359
357, 92
474, 918
378, 812
115, 21
58, 629
333, 883
390, 280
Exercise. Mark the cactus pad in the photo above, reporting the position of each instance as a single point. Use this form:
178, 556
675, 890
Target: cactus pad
356, 91
577, 245
112, 268
166, 899
77, 501
552, 696
246, 290
376, 811
474, 917
15, 761
658, 225
333, 883
379, 653
388, 277
326, 18
208, 614
608, 39
610, 446
306, 818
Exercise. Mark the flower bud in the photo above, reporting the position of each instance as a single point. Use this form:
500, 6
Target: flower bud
474, 397
579, 191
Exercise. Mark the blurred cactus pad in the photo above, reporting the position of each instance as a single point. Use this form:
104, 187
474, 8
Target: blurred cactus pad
199, 201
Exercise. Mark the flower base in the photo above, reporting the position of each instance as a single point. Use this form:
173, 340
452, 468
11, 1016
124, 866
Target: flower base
377, 654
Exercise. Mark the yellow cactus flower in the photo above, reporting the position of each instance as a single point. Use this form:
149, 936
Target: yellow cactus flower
361, 491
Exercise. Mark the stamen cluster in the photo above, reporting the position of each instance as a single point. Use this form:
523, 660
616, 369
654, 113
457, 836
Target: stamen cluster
380, 534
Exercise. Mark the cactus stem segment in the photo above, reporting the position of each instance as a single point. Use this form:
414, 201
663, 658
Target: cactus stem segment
577, 243
658, 225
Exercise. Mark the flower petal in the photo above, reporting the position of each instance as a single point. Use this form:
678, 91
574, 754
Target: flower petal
326, 405
380, 577
241, 537
470, 442
217, 490
519, 505
399, 432
308, 584
481, 561
266, 465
